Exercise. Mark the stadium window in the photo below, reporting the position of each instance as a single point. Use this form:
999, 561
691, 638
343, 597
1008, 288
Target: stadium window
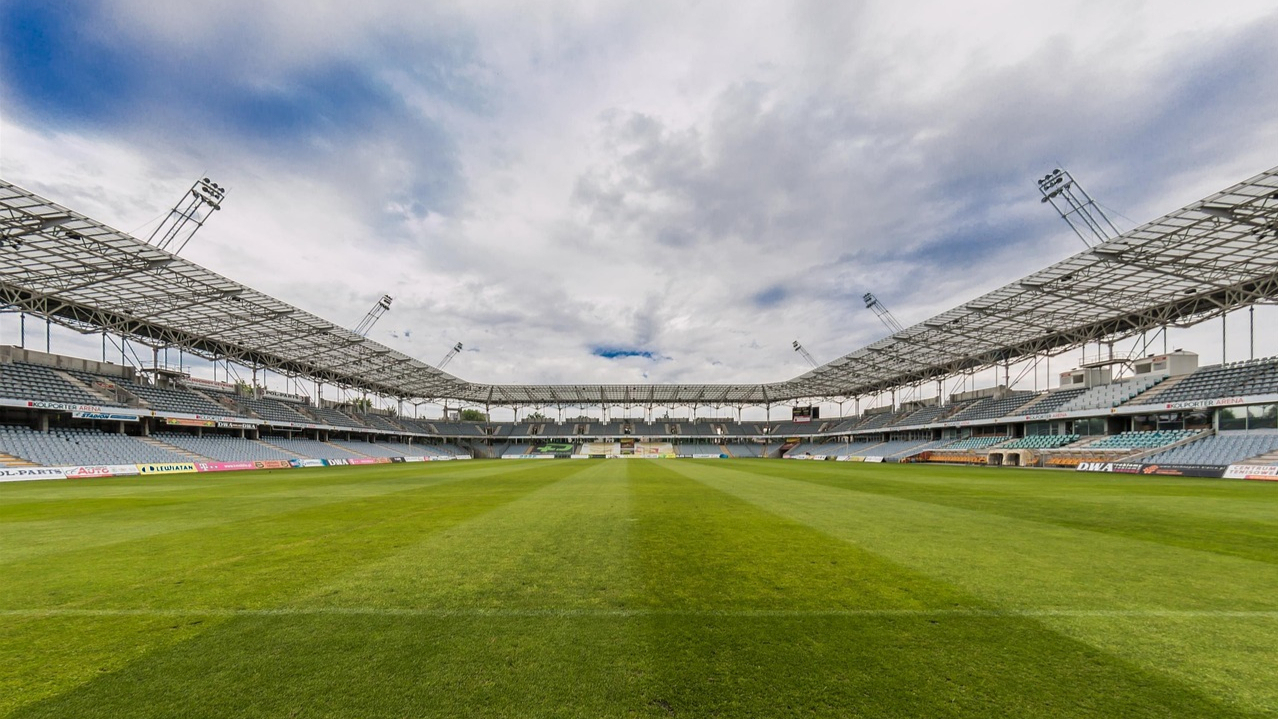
1262, 416
1198, 420
1231, 418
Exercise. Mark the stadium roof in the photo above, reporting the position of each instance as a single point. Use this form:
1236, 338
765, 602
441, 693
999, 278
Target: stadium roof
1207, 258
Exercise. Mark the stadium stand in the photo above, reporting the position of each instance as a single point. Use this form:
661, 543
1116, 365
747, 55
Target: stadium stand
817, 448
1051, 402
460, 429
222, 448
895, 448
377, 421
332, 417
1220, 449
74, 446
1042, 441
989, 408
275, 411
687, 449
1142, 440
1228, 380
923, 415
176, 400
740, 449
1108, 395
976, 442
36, 382
309, 448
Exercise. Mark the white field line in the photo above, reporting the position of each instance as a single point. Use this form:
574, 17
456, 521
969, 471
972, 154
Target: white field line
479, 612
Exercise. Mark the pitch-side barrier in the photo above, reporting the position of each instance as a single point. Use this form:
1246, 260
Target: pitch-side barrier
27, 474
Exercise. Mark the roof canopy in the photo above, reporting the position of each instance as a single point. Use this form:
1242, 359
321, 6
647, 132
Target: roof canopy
1215, 255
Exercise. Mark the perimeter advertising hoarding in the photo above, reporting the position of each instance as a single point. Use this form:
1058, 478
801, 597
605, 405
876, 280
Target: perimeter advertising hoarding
171, 468
1266, 472
1149, 468
25, 474
101, 470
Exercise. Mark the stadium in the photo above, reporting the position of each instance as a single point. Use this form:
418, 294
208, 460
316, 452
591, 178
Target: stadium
1047, 498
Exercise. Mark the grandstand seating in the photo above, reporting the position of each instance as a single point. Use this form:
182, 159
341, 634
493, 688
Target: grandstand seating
687, 449
223, 448
1054, 401
922, 416
275, 411
1220, 449
333, 417
377, 421
1041, 441
976, 442
1142, 440
75, 446
818, 448
176, 400
310, 448
20, 380
460, 429
895, 448
875, 421
367, 449
989, 408
1108, 395
1228, 380
794, 429
742, 449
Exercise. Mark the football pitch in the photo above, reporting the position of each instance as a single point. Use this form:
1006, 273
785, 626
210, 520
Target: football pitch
639, 588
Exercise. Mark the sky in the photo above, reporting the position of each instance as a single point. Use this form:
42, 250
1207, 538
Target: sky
634, 192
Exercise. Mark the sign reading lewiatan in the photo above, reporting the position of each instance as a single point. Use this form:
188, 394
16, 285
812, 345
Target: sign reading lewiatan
172, 468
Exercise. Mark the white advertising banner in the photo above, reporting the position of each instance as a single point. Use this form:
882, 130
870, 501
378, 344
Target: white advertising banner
1252, 471
27, 474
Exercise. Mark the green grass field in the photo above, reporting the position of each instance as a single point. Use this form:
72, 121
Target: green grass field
732, 588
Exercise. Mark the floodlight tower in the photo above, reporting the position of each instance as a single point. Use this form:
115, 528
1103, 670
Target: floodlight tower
805, 354
373, 315
449, 357
1076, 207
188, 216
881, 311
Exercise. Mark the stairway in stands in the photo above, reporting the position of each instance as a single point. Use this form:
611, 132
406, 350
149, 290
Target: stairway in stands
85, 386
1156, 389
12, 461
176, 450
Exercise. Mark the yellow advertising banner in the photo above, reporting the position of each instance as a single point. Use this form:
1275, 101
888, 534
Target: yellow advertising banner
174, 468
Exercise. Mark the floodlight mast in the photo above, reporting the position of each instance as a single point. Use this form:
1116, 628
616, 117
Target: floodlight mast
373, 315
188, 216
881, 311
449, 357
1076, 207
805, 354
